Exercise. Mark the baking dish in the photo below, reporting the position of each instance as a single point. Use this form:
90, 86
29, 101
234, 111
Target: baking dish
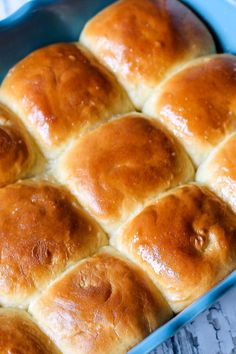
41, 22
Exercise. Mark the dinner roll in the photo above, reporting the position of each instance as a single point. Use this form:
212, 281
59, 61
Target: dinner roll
144, 41
20, 335
185, 241
42, 231
218, 172
17, 152
60, 91
121, 165
198, 104
104, 305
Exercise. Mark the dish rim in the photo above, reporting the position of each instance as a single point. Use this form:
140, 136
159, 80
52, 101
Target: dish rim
23, 11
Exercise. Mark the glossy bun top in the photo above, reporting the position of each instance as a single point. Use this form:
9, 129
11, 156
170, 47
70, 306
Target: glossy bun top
42, 232
60, 91
119, 167
185, 241
198, 104
104, 305
143, 41
17, 153
20, 335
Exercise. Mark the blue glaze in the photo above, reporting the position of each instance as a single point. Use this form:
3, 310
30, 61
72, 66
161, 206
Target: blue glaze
220, 16
41, 22
167, 330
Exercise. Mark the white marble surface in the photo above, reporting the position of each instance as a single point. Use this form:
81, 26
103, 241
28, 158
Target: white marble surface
9, 6
212, 332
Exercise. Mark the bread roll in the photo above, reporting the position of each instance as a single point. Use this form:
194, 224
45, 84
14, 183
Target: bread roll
20, 335
185, 241
144, 41
60, 91
198, 104
122, 165
104, 305
42, 232
17, 153
218, 172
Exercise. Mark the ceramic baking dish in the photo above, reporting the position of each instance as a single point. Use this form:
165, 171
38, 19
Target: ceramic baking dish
40, 22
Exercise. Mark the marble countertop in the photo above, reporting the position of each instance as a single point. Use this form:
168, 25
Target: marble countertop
212, 332
9, 6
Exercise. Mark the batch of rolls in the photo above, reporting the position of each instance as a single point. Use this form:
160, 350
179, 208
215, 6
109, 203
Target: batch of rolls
118, 181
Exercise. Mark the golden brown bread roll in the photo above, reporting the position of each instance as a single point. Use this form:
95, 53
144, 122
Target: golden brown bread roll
121, 165
17, 153
92, 300
104, 305
20, 335
218, 172
198, 104
143, 41
42, 232
60, 91
185, 241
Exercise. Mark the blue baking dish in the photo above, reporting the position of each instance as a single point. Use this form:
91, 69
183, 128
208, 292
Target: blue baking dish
40, 22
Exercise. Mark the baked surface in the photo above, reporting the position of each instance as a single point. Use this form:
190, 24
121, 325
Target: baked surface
102, 231
198, 104
19, 334
45, 90
18, 154
185, 241
143, 41
218, 171
42, 232
103, 305
136, 161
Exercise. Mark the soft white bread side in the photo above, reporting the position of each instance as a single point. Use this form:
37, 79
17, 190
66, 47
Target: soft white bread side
218, 172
